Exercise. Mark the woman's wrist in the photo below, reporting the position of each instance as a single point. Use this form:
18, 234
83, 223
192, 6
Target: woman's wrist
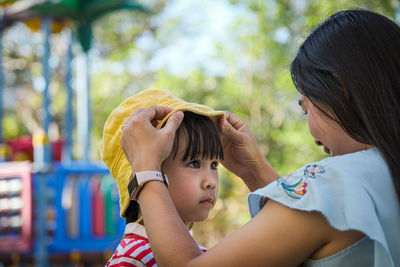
146, 165
261, 175
150, 189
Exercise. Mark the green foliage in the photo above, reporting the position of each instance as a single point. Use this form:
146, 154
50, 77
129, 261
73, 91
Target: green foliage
83, 13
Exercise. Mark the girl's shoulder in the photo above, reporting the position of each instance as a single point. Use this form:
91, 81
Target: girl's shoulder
133, 250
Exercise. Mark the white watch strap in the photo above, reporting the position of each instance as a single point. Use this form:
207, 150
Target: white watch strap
139, 179
147, 176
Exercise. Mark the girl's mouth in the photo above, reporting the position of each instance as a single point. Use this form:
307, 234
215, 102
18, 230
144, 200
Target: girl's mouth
207, 202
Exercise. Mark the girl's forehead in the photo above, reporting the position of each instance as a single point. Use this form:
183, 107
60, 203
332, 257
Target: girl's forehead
182, 138
181, 144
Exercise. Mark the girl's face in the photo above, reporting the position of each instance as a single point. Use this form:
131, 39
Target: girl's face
193, 184
328, 133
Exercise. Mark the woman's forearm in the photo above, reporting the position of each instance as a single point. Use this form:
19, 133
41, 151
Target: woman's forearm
156, 206
259, 176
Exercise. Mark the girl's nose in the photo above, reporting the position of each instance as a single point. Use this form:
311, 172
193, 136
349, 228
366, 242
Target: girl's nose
209, 181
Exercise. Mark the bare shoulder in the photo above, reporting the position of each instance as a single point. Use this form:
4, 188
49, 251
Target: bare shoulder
280, 236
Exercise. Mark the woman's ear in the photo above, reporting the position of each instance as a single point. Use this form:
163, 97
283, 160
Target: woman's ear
342, 86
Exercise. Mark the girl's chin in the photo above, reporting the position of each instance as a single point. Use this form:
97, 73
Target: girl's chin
197, 219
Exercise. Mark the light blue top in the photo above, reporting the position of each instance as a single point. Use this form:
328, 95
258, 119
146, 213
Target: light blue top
353, 191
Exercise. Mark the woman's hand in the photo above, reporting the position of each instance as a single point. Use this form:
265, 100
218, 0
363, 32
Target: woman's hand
242, 156
145, 146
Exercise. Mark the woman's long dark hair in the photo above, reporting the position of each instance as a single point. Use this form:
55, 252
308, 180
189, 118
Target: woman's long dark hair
351, 65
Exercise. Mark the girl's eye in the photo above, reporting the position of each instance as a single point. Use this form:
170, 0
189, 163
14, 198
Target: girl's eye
214, 165
194, 164
304, 113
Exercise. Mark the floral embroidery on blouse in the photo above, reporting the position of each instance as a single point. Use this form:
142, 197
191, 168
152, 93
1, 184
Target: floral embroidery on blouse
298, 189
311, 170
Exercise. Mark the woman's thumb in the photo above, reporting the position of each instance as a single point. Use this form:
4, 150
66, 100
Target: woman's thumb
226, 128
174, 121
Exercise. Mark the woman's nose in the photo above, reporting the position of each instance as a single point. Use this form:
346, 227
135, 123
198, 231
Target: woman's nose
318, 143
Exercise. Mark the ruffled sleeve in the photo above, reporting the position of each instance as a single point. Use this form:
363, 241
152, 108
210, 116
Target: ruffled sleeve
348, 190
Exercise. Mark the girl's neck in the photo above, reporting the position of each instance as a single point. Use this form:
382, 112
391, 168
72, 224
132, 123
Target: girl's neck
188, 225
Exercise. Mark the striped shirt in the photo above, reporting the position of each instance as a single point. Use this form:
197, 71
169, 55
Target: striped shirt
134, 249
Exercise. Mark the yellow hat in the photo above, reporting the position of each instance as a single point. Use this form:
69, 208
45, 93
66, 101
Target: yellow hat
110, 147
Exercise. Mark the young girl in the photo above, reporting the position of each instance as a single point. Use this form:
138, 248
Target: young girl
191, 171
341, 211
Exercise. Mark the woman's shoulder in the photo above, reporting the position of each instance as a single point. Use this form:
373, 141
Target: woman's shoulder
355, 170
352, 191
341, 182
371, 155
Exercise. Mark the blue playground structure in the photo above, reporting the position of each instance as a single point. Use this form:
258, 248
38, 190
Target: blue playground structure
63, 212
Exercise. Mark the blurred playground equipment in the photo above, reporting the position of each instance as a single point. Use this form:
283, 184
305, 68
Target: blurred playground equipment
55, 209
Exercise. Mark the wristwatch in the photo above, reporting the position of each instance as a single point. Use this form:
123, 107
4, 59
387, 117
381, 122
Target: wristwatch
139, 179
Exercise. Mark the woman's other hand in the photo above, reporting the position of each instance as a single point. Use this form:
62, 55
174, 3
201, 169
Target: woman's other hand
242, 156
145, 146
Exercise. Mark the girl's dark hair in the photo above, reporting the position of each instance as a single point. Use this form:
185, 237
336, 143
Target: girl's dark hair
351, 64
132, 212
202, 141
202, 135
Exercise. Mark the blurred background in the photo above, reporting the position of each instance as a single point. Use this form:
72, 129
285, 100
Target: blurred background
66, 64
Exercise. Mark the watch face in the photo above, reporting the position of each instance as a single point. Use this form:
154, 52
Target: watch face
132, 186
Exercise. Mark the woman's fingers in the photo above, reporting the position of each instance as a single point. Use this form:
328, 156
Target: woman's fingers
230, 124
173, 122
143, 144
150, 114
156, 112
